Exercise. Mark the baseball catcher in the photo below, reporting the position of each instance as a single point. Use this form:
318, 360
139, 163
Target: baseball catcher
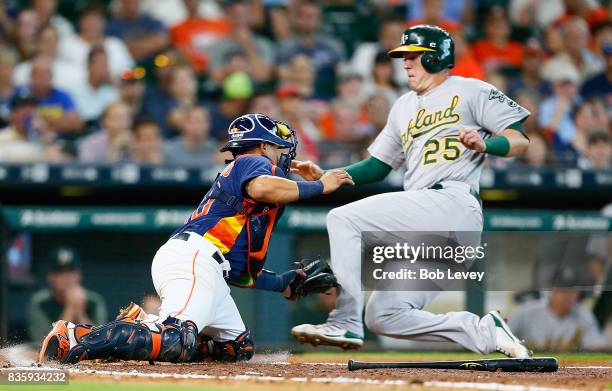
224, 241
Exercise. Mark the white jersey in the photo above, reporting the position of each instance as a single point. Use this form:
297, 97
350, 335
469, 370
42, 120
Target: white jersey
422, 131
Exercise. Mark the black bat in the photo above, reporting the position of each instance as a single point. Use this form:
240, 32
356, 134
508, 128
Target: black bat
542, 364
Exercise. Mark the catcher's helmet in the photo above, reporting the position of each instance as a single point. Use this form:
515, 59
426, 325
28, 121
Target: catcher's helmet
436, 44
250, 130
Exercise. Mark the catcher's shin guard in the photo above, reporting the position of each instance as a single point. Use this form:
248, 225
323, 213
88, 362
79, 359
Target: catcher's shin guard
126, 339
240, 349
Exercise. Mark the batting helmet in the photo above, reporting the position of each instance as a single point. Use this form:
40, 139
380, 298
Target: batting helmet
436, 44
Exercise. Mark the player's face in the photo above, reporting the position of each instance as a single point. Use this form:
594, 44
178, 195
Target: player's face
419, 80
273, 152
417, 75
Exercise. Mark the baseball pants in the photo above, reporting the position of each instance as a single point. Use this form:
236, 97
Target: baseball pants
191, 286
400, 314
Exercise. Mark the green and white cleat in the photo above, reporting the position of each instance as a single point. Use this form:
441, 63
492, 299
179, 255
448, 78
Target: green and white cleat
506, 342
327, 334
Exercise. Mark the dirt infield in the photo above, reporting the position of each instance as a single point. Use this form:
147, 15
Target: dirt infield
286, 372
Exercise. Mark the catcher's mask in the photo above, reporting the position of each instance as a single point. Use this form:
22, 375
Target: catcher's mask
250, 130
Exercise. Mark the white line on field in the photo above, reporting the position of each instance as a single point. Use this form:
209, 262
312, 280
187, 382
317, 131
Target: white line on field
339, 379
587, 367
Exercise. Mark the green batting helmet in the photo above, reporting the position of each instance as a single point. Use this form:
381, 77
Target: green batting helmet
436, 44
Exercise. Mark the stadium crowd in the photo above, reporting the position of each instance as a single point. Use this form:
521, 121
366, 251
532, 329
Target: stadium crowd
159, 81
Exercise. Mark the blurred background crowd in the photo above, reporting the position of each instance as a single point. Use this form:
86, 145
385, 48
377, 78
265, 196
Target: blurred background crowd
154, 82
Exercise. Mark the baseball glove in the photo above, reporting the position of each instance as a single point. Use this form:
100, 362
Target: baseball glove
319, 278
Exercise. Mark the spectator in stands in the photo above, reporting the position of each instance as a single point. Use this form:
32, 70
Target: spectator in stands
6, 23
376, 111
555, 112
364, 56
147, 142
576, 53
65, 298
192, 148
600, 85
195, 35
458, 12
602, 35
112, 142
24, 34
92, 24
8, 59
144, 36
265, 102
537, 155
591, 11
26, 139
324, 51
433, 13
237, 89
466, 64
93, 96
588, 117
292, 107
530, 101
558, 322
258, 52
132, 89
529, 78
158, 98
66, 75
598, 152
46, 13
54, 106
496, 51
381, 81
184, 91
350, 88
553, 40
298, 72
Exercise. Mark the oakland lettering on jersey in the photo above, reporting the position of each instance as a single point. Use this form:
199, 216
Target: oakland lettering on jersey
426, 122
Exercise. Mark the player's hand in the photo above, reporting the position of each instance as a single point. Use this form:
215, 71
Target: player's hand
333, 179
471, 139
307, 170
287, 293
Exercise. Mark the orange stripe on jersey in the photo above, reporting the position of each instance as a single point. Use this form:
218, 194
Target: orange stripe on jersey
224, 233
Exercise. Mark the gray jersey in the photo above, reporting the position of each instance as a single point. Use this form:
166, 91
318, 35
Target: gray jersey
422, 131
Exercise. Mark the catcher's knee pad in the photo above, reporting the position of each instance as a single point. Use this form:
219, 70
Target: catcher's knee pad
240, 349
126, 339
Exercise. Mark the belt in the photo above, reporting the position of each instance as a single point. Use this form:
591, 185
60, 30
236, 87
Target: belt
185, 237
438, 186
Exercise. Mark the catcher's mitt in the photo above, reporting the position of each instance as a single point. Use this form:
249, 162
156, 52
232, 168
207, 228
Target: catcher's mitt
319, 278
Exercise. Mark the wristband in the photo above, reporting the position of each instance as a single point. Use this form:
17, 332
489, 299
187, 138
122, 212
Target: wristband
270, 281
498, 146
308, 189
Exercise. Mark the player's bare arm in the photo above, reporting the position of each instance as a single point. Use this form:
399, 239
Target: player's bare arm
369, 170
276, 190
517, 142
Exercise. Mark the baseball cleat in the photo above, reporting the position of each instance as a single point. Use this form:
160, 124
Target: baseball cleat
327, 334
61, 344
506, 342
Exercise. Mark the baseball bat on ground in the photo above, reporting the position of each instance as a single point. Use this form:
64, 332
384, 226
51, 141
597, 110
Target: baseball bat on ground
543, 364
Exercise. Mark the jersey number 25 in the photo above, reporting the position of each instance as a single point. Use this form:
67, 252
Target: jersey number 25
447, 148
